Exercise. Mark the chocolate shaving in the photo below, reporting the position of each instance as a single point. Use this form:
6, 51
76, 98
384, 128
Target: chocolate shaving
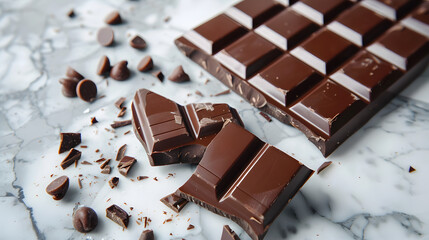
222, 93
86, 163
118, 124
139, 178
122, 112
79, 183
93, 121
100, 160
411, 169
190, 227
323, 166
73, 156
199, 93
113, 182
106, 170
125, 133
105, 163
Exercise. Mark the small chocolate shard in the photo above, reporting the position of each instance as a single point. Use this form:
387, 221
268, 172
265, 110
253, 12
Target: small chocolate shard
69, 141
94, 120
86, 163
118, 215
103, 68
145, 64
105, 163
411, 169
264, 115
71, 73
175, 202
139, 178
71, 13
126, 164
73, 156
323, 166
119, 102
105, 36
113, 182
222, 93
190, 227
106, 170
118, 124
113, 18
58, 188
122, 112
138, 42
178, 75
147, 235
199, 93
159, 75
167, 19
228, 234
120, 71
121, 152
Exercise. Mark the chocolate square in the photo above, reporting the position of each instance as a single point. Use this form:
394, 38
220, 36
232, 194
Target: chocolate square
392, 9
320, 12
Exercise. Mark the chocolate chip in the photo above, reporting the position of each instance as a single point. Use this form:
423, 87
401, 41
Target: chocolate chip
71, 13
69, 141
86, 90
105, 163
121, 152
58, 188
118, 124
411, 169
323, 166
93, 121
106, 170
125, 165
139, 178
120, 71
145, 64
71, 73
85, 219
73, 156
159, 75
113, 182
113, 18
147, 235
122, 112
118, 215
222, 93
105, 36
69, 86
138, 42
103, 68
119, 102
178, 75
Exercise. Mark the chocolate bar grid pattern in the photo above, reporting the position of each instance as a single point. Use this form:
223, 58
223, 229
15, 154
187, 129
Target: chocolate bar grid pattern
320, 62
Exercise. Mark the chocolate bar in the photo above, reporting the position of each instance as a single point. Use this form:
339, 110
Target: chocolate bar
172, 133
324, 67
244, 179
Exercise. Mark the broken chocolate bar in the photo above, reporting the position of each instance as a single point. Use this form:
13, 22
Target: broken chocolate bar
69, 141
227, 181
118, 215
125, 165
176, 203
73, 156
324, 67
172, 133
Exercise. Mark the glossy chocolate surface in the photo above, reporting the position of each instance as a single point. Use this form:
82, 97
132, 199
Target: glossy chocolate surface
392, 9
320, 12
171, 133
228, 180
419, 19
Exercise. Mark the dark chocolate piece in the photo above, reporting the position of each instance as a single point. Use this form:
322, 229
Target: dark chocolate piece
71, 73
118, 124
145, 64
106, 170
222, 93
171, 133
159, 75
227, 181
79, 182
93, 121
323, 166
138, 42
120, 71
69, 141
113, 18
321, 12
103, 68
228, 234
113, 182
86, 90
105, 36
58, 188
139, 178
176, 203
147, 235
122, 112
125, 165
85, 219
119, 102
69, 86
190, 227
105, 163
71, 13
118, 215
411, 169
178, 75
121, 152
86, 163
73, 156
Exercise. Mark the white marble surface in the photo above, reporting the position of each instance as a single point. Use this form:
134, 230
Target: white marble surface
367, 193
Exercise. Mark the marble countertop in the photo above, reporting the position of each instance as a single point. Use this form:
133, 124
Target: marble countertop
367, 193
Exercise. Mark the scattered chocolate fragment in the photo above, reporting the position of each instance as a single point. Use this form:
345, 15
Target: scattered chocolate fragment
105, 36
69, 141
119, 102
411, 169
100, 160
69, 86
159, 75
323, 166
58, 188
139, 178
86, 163
120, 71
125, 133
175, 202
85, 219
190, 227
199, 93
125, 165
118, 215
138, 42
83, 146
79, 183
222, 93
113, 182
105, 163
103, 68
167, 19
93, 121
145, 64
147, 235
122, 112
71, 73
106, 170
73, 156
228, 234
86, 90
71, 13
113, 18
178, 75
121, 152
264, 115
118, 124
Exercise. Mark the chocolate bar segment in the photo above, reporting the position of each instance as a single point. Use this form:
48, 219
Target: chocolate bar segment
321, 12
228, 180
419, 20
172, 133
392, 9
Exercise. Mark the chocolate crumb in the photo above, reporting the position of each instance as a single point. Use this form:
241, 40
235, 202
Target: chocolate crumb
411, 169
190, 227
155, 178
167, 19
93, 121
83, 146
159, 75
105, 163
71, 13
222, 93
79, 182
199, 93
100, 160
264, 115
179, 75
118, 124
207, 81
113, 182
323, 166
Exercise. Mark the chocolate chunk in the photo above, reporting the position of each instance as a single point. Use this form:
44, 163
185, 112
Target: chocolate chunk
69, 86
138, 42
79, 183
121, 152
122, 112
71, 13
145, 64
86, 90
113, 182
120, 71
118, 124
105, 163
71, 73
175, 202
105, 36
228, 234
147, 235
222, 93
139, 178
125, 165
227, 180
85, 219
178, 75
323, 166
113, 18
73, 156
58, 188
118, 215
159, 75
103, 68
190, 227
411, 169
69, 141
172, 133
93, 121
119, 102
106, 170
